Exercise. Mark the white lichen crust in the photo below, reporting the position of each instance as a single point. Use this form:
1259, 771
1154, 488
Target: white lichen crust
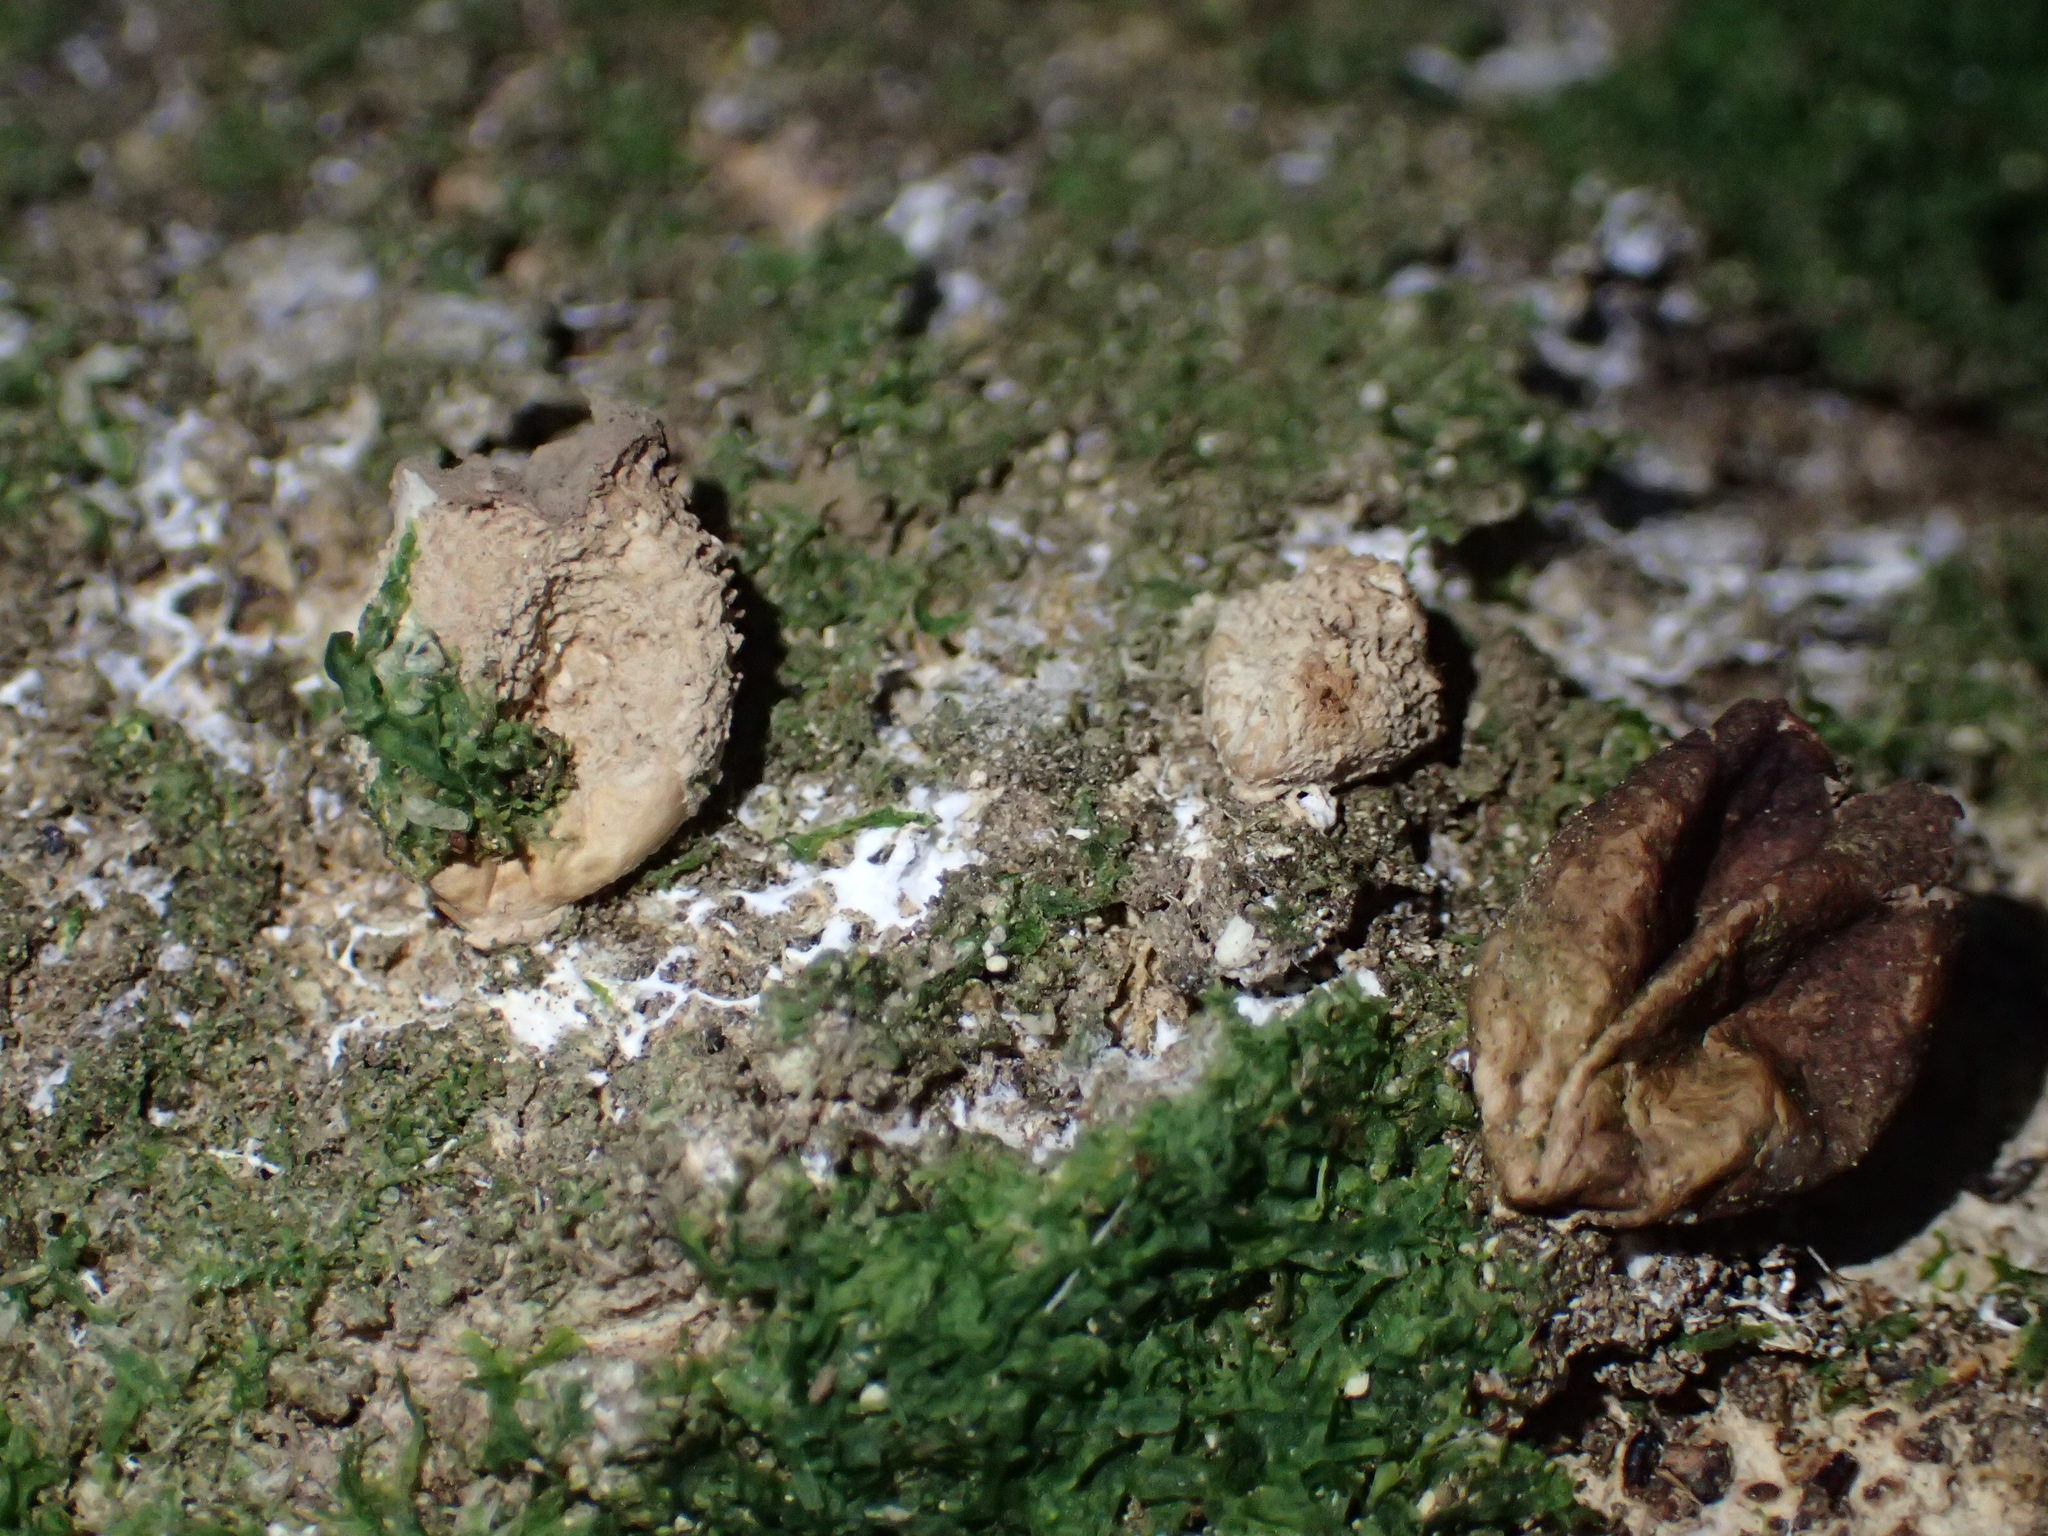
581, 591
1319, 681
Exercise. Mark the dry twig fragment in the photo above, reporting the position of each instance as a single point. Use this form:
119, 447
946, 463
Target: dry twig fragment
1717, 986
544, 679
1313, 683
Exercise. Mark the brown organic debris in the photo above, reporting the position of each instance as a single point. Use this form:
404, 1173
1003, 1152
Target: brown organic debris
1717, 986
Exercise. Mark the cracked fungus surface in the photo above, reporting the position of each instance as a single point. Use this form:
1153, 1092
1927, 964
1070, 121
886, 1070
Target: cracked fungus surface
977, 1114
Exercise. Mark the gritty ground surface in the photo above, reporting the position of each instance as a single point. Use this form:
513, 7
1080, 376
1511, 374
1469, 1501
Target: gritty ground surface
1000, 349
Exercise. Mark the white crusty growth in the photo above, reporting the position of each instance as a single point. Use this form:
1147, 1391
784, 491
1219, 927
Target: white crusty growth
580, 590
1313, 683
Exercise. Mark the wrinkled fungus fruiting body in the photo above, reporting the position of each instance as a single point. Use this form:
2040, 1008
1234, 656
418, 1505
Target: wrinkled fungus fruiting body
545, 678
1717, 986
1321, 680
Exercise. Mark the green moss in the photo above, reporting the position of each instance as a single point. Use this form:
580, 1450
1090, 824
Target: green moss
1153, 320
33, 164
1868, 1360
622, 179
138, 1172
634, 126
1327, 50
227, 870
31, 1484
806, 846
410, 1117
189, 1145
501, 1379
2030, 1288
250, 161
842, 333
322, 37
1540, 751
19, 925
371, 1506
1724, 1336
456, 777
1236, 399
28, 27
1261, 1306
878, 1024
1878, 160
38, 453
843, 614
842, 610
695, 855
818, 580
1610, 741
1034, 909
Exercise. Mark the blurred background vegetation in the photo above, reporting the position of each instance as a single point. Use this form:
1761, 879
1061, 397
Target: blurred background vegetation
1881, 166
1882, 163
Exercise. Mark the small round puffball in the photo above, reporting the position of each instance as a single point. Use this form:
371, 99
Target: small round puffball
1320, 680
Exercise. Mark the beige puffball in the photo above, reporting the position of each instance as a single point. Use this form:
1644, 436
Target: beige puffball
1315, 682
581, 591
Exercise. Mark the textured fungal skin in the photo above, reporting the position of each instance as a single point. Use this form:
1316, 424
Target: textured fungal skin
1320, 680
1718, 984
583, 593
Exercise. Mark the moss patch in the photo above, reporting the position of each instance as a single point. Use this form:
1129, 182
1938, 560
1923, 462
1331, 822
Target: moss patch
1260, 1307
456, 776
227, 873
167, 1236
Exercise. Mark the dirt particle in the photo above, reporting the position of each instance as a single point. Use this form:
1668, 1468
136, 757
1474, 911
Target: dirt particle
1926, 1446
1835, 1477
1641, 1458
1705, 1469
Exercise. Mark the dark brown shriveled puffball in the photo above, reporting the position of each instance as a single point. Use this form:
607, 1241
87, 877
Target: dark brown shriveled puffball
1718, 984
